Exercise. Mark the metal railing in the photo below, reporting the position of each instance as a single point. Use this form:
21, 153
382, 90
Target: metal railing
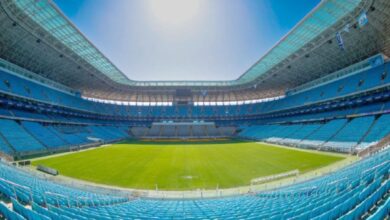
385, 142
15, 186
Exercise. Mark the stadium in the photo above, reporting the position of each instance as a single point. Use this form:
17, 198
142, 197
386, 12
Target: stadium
304, 133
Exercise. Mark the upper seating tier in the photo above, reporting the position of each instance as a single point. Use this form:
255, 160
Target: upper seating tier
351, 84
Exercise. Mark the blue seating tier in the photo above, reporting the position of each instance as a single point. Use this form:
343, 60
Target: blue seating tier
352, 84
348, 193
343, 135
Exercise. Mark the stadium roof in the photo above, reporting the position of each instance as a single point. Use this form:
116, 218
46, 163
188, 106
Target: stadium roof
48, 16
74, 61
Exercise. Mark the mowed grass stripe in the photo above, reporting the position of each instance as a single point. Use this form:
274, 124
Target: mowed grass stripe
184, 166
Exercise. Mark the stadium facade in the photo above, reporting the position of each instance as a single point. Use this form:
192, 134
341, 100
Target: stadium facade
324, 86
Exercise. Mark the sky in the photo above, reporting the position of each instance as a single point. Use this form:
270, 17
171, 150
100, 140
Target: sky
185, 39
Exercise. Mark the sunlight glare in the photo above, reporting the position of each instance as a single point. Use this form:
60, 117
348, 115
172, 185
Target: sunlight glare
174, 12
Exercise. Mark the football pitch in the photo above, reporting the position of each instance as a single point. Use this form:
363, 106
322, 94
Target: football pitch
184, 165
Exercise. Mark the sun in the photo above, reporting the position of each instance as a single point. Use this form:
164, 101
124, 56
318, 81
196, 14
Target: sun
174, 12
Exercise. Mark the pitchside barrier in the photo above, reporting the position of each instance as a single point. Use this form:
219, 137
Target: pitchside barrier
274, 177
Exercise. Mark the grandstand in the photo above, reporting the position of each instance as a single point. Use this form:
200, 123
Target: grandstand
311, 91
183, 130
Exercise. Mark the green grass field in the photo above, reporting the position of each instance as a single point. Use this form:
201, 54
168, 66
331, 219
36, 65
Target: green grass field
183, 166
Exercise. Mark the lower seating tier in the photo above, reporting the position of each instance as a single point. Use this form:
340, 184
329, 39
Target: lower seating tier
345, 135
360, 190
186, 130
20, 138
